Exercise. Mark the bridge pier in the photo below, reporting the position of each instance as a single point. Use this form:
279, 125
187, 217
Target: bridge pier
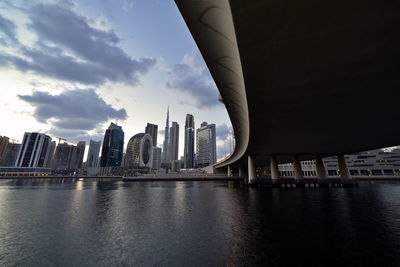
251, 169
298, 173
274, 167
240, 172
343, 170
229, 171
320, 167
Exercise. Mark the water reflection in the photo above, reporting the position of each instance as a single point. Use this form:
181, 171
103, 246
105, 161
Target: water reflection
90, 222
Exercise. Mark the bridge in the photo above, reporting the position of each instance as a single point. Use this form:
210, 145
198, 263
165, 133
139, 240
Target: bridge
301, 80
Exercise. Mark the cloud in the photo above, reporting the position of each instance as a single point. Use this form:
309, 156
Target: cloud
223, 131
72, 47
74, 136
192, 78
8, 31
72, 113
224, 140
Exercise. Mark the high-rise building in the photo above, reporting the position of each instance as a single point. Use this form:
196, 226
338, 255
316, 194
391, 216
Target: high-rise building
77, 155
189, 122
34, 151
4, 140
11, 154
113, 145
173, 147
63, 156
189, 142
139, 152
206, 145
152, 130
51, 154
93, 154
156, 158
81, 152
165, 154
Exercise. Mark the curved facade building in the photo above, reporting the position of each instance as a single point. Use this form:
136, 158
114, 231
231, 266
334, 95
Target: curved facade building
139, 152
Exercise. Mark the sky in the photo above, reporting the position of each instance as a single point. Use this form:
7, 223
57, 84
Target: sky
69, 68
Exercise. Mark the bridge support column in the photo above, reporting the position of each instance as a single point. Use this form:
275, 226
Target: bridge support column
251, 168
240, 172
229, 171
298, 173
320, 167
274, 167
343, 170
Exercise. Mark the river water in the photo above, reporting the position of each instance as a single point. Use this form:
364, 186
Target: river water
72, 222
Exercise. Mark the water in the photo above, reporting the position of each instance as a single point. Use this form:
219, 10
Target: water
103, 223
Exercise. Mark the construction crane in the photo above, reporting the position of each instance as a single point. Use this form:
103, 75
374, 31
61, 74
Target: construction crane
61, 139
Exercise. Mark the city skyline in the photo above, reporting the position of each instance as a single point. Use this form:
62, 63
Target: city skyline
222, 151
154, 68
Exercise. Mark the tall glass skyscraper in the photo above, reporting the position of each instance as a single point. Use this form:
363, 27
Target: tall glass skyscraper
206, 143
113, 145
189, 142
152, 130
173, 141
165, 154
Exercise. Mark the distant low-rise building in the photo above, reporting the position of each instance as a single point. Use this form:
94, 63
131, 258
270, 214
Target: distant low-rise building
362, 164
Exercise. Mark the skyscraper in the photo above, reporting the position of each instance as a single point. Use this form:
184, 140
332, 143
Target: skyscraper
113, 145
34, 151
152, 130
189, 142
139, 152
3, 148
11, 154
51, 154
63, 156
93, 154
82, 147
156, 158
77, 155
206, 145
173, 147
165, 154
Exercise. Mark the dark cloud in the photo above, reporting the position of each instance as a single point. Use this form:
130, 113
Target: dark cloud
193, 78
74, 112
8, 31
70, 48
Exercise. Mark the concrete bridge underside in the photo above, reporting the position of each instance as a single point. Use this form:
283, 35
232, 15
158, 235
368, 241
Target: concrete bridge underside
302, 77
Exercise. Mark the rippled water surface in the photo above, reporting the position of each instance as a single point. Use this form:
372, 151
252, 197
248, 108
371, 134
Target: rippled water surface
112, 223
